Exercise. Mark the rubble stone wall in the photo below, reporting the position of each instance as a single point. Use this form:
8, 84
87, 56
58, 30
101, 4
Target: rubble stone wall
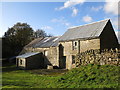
109, 57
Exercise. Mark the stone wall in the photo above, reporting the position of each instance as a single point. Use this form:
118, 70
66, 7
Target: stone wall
53, 56
111, 57
89, 44
82, 45
67, 51
67, 48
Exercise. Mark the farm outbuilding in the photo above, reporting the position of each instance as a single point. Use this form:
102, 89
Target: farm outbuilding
60, 51
49, 47
97, 35
30, 60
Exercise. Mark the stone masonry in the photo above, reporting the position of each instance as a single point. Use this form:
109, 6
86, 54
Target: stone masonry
104, 57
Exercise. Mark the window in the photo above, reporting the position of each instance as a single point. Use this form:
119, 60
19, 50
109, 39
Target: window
75, 45
21, 62
73, 59
46, 53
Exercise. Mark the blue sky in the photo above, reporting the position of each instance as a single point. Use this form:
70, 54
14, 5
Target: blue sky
56, 17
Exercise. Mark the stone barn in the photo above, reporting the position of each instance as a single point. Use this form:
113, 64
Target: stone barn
98, 35
48, 46
30, 60
60, 51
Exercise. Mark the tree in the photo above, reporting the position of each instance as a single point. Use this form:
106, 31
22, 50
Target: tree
40, 33
18, 36
49, 35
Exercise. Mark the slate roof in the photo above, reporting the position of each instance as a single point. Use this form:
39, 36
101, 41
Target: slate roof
85, 31
27, 55
32, 43
44, 42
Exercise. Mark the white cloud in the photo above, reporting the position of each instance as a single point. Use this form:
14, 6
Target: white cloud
71, 3
75, 11
61, 21
54, 20
87, 18
46, 28
111, 7
96, 8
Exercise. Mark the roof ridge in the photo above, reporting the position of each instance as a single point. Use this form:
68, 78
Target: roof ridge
89, 23
84, 31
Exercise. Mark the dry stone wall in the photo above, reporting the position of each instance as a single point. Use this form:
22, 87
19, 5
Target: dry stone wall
110, 57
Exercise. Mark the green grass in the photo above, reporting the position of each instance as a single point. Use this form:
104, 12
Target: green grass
90, 76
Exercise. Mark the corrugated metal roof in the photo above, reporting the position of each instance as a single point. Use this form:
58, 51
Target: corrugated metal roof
44, 42
27, 55
85, 31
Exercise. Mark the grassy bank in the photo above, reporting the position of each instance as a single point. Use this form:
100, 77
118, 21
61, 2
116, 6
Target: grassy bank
90, 76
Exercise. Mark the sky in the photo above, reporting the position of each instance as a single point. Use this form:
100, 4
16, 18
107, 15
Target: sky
56, 17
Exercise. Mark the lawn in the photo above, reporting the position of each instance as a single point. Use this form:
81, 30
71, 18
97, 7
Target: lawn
90, 76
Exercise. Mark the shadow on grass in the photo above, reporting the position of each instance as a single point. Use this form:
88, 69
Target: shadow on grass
52, 72
8, 67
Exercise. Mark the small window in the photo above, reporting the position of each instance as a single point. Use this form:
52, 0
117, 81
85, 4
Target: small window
75, 45
21, 62
73, 59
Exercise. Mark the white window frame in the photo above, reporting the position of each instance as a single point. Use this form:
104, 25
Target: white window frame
75, 45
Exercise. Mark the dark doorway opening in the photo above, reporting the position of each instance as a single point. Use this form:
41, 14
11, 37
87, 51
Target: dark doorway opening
62, 59
64, 62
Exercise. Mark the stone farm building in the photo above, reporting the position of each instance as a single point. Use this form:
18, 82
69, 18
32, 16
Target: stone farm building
60, 51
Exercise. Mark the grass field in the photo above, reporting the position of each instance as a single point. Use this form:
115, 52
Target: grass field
90, 76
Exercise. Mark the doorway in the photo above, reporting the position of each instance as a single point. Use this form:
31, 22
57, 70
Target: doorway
64, 62
62, 58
